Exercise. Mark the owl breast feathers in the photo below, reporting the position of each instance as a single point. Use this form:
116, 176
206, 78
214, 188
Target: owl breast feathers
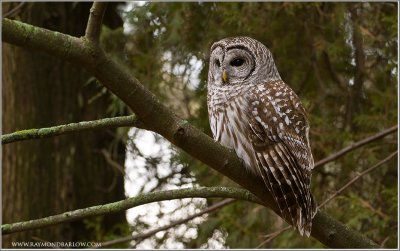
252, 111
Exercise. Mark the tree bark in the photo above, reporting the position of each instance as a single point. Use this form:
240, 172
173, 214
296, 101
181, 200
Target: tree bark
50, 176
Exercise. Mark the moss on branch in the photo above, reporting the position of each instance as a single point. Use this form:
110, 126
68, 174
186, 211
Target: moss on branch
69, 128
202, 192
54, 43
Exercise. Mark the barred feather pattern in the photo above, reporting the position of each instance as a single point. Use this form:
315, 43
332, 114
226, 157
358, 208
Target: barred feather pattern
266, 124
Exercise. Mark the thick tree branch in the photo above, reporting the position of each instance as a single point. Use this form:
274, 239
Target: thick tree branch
203, 192
69, 128
166, 227
356, 145
93, 27
158, 118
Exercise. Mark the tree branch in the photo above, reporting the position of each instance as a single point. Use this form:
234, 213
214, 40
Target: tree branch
166, 227
356, 145
14, 11
93, 27
356, 178
158, 118
368, 205
69, 128
202, 192
271, 236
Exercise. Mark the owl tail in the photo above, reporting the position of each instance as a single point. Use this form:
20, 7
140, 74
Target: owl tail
288, 186
304, 219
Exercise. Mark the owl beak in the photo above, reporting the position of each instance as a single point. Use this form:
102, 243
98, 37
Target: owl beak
224, 77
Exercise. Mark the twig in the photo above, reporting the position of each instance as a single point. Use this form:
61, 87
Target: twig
356, 145
356, 178
13, 11
203, 192
120, 168
273, 235
69, 128
171, 225
368, 205
111, 162
93, 27
384, 242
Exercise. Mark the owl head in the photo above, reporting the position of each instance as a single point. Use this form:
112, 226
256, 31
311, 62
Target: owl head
241, 60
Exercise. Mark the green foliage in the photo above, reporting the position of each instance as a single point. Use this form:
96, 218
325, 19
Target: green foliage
314, 48
94, 225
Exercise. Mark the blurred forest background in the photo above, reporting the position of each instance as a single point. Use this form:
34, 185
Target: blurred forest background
340, 58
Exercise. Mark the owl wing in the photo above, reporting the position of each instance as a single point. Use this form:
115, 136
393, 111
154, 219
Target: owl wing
279, 136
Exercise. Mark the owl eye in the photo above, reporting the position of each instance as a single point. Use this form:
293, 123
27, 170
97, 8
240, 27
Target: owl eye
237, 62
217, 63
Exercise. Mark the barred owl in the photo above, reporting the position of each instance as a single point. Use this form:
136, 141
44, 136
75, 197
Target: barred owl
252, 111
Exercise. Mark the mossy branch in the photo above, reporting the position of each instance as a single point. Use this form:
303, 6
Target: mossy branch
69, 128
158, 118
202, 192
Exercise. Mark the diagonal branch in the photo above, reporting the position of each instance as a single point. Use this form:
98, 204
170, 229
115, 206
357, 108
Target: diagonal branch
14, 11
356, 178
202, 192
271, 236
376, 211
160, 119
93, 27
356, 145
124, 121
166, 227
